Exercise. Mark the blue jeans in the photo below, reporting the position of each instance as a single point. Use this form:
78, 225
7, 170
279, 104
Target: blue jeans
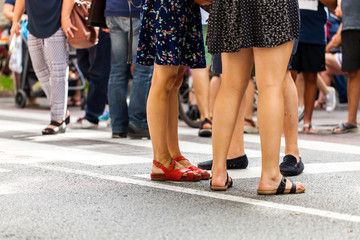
94, 63
120, 113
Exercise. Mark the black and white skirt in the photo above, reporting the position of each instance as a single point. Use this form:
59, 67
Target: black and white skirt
236, 24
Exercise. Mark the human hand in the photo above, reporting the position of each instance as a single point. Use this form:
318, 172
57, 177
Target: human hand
68, 27
15, 30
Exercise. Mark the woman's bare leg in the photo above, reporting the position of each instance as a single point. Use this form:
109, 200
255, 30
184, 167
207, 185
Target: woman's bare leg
214, 88
269, 79
290, 116
158, 105
237, 148
236, 72
201, 84
172, 133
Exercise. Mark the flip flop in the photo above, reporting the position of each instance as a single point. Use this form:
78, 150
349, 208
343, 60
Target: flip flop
227, 185
281, 189
345, 128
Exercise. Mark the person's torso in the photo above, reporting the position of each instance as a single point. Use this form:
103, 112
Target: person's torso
313, 20
351, 14
44, 17
120, 8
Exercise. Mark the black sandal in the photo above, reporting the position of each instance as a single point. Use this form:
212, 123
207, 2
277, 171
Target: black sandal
205, 132
281, 189
60, 127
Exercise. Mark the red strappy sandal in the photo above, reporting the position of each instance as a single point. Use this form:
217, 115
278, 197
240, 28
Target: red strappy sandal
174, 174
204, 174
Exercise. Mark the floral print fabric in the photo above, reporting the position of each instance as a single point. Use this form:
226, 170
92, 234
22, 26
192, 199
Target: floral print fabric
171, 34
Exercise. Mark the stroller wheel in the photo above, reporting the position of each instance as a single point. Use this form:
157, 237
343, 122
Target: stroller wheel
20, 98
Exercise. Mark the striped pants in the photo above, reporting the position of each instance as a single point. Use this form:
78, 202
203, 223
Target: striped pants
49, 58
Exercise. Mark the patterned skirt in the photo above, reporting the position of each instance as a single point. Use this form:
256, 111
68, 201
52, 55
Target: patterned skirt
171, 34
236, 24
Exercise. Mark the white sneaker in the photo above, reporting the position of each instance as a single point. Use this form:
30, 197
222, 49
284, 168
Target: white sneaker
330, 100
83, 123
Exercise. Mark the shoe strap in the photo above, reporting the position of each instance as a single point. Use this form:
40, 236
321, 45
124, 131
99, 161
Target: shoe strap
204, 122
56, 124
281, 187
159, 165
179, 158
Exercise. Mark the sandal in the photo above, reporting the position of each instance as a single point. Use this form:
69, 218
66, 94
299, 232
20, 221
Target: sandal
281, 189
205, 132
67, 119
345, 127
309, 129
319, 105
204, 174
172, 174
227, 185
59, 128
250, 127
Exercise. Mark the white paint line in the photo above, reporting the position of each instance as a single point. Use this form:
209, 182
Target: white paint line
310, 168
6, 189
209, 194
24, 113
4, 170
57, 153
313, 145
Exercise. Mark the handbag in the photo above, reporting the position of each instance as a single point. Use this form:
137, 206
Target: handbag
204, 4
86, 36
96, 14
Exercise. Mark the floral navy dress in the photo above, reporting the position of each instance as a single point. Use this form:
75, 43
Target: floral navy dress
171, 34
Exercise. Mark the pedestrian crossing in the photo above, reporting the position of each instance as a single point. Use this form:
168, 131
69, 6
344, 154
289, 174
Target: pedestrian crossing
27, 151
25, 146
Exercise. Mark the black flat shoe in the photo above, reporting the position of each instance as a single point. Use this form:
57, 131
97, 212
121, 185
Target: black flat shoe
290, 166
60, 127
234, 163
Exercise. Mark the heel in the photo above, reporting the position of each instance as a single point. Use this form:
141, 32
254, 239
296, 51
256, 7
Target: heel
67, 119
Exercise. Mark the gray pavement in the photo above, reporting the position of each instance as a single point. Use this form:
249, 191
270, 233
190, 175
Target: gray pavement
85, 185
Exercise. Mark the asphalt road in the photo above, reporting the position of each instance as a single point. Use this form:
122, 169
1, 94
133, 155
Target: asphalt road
85, 185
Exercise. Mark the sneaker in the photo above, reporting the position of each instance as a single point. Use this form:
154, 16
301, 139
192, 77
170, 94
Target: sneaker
105, 116
83, 123
330, 99
301, 112
138, 133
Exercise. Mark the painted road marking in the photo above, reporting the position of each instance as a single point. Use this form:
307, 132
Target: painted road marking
209, 194
186, 146
4, 170
58, 153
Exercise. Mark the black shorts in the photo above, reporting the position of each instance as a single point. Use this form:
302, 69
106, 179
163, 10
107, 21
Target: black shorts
350, 42
309, 58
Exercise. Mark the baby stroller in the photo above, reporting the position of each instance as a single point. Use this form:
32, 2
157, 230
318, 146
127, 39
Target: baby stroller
27, 84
